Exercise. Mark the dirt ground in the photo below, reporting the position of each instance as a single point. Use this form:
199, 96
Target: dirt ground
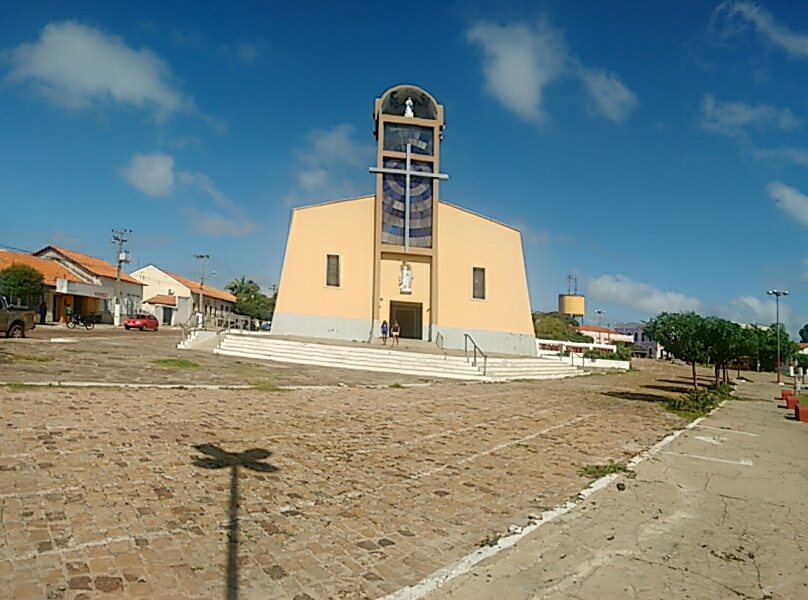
343, 491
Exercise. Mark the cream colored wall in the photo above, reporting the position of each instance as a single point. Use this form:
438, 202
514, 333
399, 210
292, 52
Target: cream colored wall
343, 228
158, 283
466, 240
421, 284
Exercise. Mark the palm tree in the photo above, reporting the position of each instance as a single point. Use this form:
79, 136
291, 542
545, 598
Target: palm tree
242, 287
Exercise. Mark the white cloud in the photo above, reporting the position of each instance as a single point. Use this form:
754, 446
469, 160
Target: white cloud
750, 310
215, 225
521, 60
612, 98
795, 44
540, 237
790, 200
152, 174
78, 66
797, 156
638, 296
733, 118
330, 165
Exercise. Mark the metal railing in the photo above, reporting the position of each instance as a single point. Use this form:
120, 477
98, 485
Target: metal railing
476, 349
439, 342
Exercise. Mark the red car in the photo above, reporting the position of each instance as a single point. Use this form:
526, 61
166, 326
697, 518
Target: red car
142, 322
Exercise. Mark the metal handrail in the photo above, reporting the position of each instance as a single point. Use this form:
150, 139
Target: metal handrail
466, 339
439, 341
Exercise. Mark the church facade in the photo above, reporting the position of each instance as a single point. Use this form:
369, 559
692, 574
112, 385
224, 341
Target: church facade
402, 255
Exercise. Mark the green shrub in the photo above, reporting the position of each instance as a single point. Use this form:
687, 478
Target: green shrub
695, 403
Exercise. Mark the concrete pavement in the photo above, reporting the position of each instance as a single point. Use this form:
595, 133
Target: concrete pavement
720, 512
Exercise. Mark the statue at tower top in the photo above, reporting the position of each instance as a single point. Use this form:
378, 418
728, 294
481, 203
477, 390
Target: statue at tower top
408, 112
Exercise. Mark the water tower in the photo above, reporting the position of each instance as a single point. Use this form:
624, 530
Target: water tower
571, 303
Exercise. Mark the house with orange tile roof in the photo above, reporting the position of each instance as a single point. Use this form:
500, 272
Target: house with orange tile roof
88, 286
160, 287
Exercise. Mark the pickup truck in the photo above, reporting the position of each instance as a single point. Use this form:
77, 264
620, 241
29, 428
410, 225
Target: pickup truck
15, 322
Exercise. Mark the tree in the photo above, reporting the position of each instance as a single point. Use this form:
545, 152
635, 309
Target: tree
21, 281
726, 342
804, 334
242, 287
768, 347
683, 335
249, 299
555, 326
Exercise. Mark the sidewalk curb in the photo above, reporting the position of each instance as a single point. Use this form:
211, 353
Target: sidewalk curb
464, 565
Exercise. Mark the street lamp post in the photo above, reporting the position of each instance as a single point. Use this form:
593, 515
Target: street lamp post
600, 333
202, 257
777, 294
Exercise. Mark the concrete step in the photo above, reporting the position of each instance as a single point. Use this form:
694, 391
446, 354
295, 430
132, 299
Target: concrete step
384, 360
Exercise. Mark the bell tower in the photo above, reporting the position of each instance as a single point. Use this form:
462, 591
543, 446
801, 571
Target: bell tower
408, 130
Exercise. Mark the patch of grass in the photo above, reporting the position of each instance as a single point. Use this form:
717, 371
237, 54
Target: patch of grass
490, 540
597, 471
266, 387
176, 363
397, 386
23, 387
29, 358
697, 403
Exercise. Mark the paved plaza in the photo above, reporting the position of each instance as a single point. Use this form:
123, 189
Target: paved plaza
344, 490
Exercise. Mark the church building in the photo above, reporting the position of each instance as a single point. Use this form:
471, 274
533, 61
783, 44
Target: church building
402, 255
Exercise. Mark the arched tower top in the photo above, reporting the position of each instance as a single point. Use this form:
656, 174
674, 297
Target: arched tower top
394, 102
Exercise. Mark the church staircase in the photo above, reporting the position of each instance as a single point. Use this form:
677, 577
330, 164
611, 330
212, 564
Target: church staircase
383, 359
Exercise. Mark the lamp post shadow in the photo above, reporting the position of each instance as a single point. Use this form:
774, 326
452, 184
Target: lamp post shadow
216, 458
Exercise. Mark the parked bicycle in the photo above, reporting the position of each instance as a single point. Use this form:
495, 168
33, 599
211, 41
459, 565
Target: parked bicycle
78, 320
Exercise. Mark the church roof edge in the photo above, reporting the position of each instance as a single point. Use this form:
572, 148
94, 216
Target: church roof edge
471, 212
365, 197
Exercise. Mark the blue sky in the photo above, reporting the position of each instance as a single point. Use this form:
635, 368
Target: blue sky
656, 150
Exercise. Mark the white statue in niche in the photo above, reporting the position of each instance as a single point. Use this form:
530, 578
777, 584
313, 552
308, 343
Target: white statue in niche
408, 112
405, 279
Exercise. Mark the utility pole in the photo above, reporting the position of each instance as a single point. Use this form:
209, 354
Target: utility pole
120, 257
202, 257
600, 333
777, 294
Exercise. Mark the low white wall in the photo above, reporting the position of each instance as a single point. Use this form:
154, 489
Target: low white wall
577, 360
561, 346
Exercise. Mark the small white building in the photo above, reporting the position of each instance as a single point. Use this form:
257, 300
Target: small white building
173, 299
650, 349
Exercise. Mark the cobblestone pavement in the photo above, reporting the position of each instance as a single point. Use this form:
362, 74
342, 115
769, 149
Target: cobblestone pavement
103, 493
105, 354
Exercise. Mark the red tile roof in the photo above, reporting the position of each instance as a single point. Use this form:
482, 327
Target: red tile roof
50, 269
164, 300
96, 266
208, 291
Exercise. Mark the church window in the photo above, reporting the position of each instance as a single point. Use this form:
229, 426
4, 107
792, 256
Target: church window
332, 270
478, 283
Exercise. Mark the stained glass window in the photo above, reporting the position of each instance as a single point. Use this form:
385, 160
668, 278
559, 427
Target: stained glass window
396, 138
393, 197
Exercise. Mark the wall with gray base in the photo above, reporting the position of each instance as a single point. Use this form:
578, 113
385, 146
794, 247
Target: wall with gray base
328, 328
498, 342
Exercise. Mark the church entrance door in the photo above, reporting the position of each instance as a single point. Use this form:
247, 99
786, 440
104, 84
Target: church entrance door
408, 315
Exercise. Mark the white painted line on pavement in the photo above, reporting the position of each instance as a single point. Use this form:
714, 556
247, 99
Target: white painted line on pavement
710, 440
744, 461
466, 564
728, 430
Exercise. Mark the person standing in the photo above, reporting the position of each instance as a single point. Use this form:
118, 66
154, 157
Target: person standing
395, 331
43, 310
385, 331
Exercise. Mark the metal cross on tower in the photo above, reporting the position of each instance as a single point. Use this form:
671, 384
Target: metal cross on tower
408, 173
